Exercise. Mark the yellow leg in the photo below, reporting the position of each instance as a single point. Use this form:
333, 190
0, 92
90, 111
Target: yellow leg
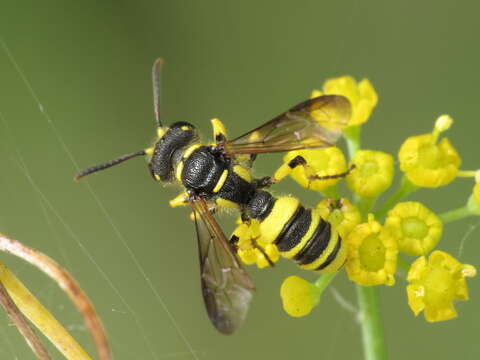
310, 172
282, 172
288, 167
180, 200
250, 249
239, 233
219, 131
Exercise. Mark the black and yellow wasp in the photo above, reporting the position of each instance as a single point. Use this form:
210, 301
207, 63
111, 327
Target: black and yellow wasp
218, 175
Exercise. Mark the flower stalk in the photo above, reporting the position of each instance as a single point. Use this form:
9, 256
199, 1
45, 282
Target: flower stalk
371, 323
352, 137
370, 316
405, 189
456, 214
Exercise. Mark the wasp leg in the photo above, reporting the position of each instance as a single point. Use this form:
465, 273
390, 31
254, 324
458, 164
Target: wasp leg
264, 182
332, 176
283, 171
310, 172
180, 200
238, 234
219, 131
265, 255
244, 242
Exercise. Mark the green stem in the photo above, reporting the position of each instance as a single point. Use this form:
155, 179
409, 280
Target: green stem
372, 329
365, 205
332, 192
403, 264
456, 214
323, 281
371, 323
405, 189
352, 136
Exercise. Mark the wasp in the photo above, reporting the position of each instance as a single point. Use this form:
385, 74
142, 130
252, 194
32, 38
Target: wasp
218, 175
296, 233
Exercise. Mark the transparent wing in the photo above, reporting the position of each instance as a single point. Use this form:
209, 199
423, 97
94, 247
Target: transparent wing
314, 123
226, 287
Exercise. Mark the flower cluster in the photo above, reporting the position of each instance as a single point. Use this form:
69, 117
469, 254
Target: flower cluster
381, 237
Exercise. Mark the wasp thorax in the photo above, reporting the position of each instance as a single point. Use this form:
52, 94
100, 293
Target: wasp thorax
202, 170
169, 145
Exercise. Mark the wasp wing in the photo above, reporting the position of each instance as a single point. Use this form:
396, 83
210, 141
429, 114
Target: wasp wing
226, 287
314, 123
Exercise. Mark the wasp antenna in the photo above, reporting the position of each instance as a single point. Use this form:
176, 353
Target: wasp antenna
157, 65
108, 164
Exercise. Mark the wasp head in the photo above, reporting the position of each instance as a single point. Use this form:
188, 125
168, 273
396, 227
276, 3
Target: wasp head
169, 148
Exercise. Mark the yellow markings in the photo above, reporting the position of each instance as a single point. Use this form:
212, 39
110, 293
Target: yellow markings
186, 154
190, 150
323, 257
221, 181
180, 200
243, 172
313, 226
157, 177
336, 264
282, 172
222, 203
149, 151
240, 231
161, 131
178, 171
282, 211
218, 128
185, 128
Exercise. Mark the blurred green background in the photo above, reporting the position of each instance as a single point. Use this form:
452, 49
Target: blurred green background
88, 63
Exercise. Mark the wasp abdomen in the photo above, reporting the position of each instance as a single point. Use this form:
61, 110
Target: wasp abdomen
260, 205
316, 245
294, 230
300, 234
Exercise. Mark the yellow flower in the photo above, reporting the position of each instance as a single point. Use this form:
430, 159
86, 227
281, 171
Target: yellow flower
429, 163
340, 213
372, 254
435, 284
251, 249
416, 228
362, 96
373, 173
299, 296
320, 162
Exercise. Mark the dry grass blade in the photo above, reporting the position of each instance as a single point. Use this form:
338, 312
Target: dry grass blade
22, 325
39, 316
68, 284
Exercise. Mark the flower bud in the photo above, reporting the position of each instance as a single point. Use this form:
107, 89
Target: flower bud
299, 296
